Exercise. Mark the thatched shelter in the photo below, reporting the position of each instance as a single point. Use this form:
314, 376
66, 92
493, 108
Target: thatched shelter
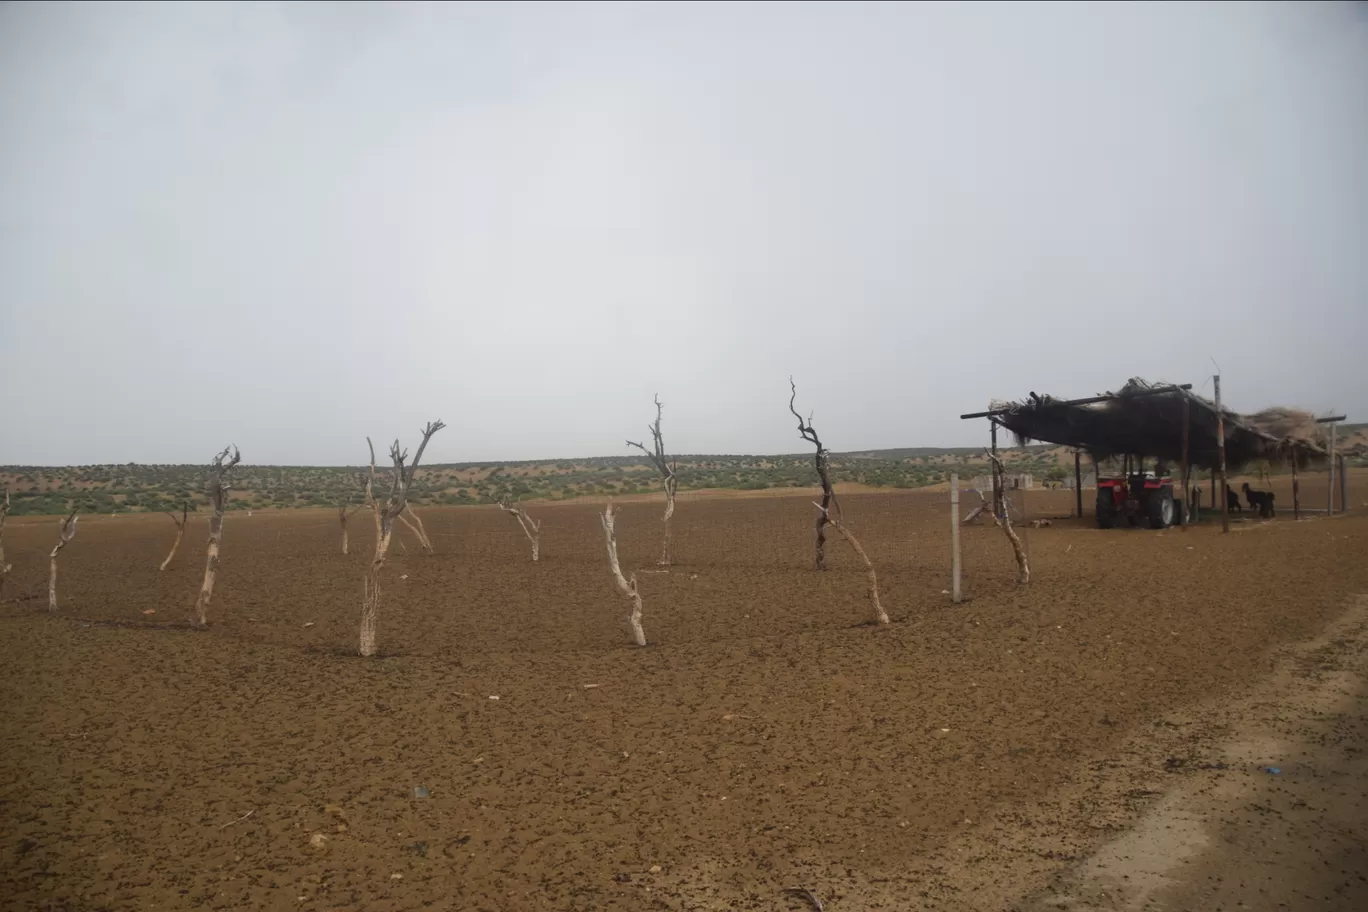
1144, 419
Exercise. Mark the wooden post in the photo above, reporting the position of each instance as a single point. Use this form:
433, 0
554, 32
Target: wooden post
1296, 489
1330, 495
1078, 483
1344, 487
1187, 435
1220, 448
954, 539
997, 487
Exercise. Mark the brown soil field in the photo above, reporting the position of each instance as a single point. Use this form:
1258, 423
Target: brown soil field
768, 737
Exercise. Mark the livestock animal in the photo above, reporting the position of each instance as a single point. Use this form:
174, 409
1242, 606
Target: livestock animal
1260, 500
1233, 501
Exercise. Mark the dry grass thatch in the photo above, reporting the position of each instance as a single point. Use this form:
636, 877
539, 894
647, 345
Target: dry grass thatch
1151, 425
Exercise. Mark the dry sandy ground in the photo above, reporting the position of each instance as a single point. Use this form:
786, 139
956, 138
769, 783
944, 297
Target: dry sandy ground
963, 759
1274, 815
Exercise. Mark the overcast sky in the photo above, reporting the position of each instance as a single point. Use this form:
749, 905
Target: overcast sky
290, 226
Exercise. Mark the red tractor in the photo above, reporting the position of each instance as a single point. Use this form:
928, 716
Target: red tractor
1137, 497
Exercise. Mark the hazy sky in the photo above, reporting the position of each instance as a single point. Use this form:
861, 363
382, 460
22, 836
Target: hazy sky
290, 226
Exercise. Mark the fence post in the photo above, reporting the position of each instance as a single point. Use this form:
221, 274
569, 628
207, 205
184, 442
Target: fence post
954, 539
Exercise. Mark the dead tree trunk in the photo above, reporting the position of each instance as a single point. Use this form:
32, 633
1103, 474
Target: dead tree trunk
343, 514
531, 528
880, 615
218, 497
65, 533
180, 532
628, 586
667, 473
385, 515
822, 463
4, 567
1023, 564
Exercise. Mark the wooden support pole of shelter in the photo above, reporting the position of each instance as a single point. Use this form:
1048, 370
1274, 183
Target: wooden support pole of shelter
1220, 449
1296, 490
954, 539
1078, 483
1344, 487
997, 486
1333, 420
1330, 494
1187, 433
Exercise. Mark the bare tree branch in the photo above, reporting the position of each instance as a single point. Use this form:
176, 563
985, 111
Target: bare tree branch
880, 615
218, 495
419, 529
822, 463
4, 511
807, 895
1023, 564
385, 514
667, 470
531, 528
628, 587
180, 532
65, 533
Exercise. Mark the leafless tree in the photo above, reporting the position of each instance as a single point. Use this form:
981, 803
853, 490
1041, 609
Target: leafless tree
180, 532
4, 511
385, 515
218, 497
344, 512
880, 615
66, 532
628, 586
667, 473
531, 528
829, 502
1023, 564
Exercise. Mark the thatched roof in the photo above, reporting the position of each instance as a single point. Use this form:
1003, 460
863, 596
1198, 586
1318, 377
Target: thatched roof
1139, 422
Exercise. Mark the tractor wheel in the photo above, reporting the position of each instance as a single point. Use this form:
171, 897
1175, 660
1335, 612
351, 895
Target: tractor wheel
1160, 508
1106, 509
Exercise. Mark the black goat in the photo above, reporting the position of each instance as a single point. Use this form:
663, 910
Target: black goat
1263, 500
1233, 501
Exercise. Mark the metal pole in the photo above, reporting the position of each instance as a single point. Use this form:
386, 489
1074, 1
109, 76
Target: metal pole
1078, 482
954, 539
1220, 446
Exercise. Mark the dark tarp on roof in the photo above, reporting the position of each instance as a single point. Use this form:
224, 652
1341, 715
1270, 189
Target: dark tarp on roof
1152, 426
